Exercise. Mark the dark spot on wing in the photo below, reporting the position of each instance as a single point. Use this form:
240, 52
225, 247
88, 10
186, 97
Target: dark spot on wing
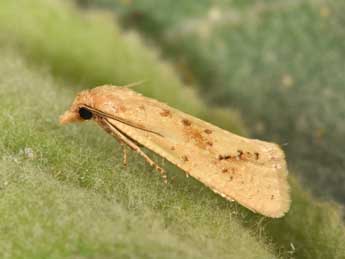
230, 171
185, 158
272, 197
223, 157
240, 154
193, 134
198, 138
172, 148
209, 143
165, 113
186, 122
142, 107
208, 131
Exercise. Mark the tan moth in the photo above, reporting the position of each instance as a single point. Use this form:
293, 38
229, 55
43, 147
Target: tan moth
249, 171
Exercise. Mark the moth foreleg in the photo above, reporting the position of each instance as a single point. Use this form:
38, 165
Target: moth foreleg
123, 145
123, 139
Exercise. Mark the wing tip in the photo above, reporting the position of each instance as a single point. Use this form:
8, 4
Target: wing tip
281, 211
282, 204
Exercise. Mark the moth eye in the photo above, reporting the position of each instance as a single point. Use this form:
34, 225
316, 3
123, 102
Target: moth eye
85, 114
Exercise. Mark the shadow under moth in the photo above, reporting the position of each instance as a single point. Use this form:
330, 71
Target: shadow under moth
249, 171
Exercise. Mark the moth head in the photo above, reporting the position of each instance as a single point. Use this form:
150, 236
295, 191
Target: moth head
78, 112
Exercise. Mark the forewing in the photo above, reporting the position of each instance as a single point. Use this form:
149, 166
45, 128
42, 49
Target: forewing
252, 172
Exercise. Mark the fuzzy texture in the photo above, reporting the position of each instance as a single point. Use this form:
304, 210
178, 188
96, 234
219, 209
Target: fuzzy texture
68, 195
280, 62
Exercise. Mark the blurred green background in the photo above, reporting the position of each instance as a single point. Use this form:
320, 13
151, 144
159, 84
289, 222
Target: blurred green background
267, 69
280, 63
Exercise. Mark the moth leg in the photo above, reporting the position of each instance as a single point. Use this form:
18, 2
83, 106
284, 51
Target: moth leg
124, 150
123, 145
119, 135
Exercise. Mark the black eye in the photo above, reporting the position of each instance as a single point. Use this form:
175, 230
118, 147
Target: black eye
85, 114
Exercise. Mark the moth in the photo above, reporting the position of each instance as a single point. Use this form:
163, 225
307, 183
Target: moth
249, 171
